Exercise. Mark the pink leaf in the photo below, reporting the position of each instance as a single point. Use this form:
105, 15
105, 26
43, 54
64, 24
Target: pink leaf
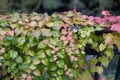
29, 78
65, 26
67, 72
11, 33
72, 58
2, 37
115, 27
65, 42
24, 76
106, 13
62, 38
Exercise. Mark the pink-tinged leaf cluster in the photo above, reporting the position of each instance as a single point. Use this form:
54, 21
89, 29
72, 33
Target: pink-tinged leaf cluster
66, 36
108, 20
106, 13
116, 27
68, 72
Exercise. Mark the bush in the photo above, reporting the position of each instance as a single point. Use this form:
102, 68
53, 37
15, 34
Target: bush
43, 47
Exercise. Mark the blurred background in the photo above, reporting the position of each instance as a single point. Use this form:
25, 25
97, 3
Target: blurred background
89, 7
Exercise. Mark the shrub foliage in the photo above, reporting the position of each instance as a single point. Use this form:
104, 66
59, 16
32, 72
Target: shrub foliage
42, 47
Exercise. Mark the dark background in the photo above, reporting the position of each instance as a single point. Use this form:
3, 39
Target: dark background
89, 7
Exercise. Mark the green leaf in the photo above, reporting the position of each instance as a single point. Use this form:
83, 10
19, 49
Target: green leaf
70, 14
21, 41
51, 59
15, 70
48, 52
104, 61
93, 61
57, 25
36, 73
75, 73
93, 69
24, 66
54, 41
19, 59
10, 38
102, 47
60, 44
54, 74
41, 54
60, 72
56, 33
36, 61
13, 54
59, 78
99, 69
30, 36
109, 53
53, 67
36, 34
32, 67
60, 64
49, 24
12, 65
41, 45
46, 32
45, 61
30, 52
60, 54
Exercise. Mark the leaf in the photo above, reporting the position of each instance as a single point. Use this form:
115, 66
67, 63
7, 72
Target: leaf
60, 72
41, 45
19, 59
75, 73
13, 54
60, 54
46, 32
33, 24
45, 61
41, 54
56, 33
10, 38
30, 36
54, 41
2, 32
60, 44
30, 52
36, 73
93, 69
70, 14
32, 67
109, 39
36, 34
93, 61
49, 24
99, 69
53, 67
24, 66
57, 25
21, 41
104, 61
102, 47
36, 61
109, 53
48, 52
59, 78
60, 64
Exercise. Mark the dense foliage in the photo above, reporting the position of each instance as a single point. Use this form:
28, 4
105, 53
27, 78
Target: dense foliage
43, 47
